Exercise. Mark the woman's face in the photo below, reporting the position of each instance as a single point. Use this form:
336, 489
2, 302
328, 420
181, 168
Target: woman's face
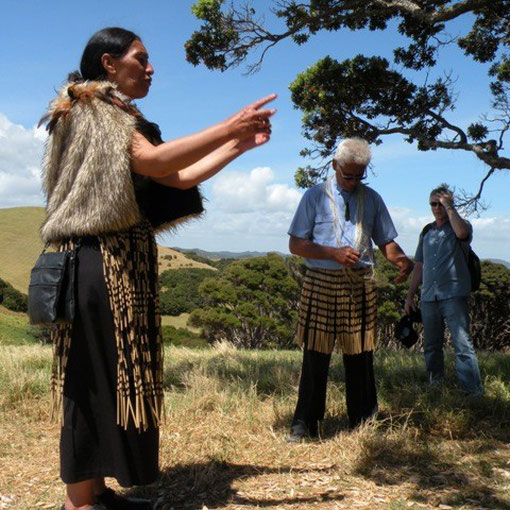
132, 72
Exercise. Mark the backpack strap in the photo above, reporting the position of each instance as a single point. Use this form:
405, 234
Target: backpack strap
426, 228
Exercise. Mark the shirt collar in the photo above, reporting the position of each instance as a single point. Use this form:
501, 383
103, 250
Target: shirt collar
344, 192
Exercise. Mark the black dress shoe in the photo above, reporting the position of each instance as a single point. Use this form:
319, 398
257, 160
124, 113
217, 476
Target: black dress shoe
298, 432
112, 501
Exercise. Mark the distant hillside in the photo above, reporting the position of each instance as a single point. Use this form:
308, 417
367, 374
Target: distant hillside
500, 261
20, 246
173, 259
215, 255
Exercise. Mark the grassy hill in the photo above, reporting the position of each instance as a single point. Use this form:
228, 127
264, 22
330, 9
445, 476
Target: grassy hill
172, 259
20, 246
14, 328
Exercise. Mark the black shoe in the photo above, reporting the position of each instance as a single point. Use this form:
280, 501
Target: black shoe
300, 431
112, 501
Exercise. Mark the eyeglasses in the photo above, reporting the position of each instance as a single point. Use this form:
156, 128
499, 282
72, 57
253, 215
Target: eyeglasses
435, 204
349, 178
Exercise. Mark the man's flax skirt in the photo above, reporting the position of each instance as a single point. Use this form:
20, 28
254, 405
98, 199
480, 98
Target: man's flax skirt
339, 308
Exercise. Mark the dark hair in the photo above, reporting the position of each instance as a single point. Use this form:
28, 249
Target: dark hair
112, 40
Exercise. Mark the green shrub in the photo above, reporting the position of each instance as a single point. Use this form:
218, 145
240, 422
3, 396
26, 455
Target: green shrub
183, 337
11, 298
179, 292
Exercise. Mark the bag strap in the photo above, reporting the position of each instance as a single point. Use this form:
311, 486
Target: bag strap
426, 228
77, 245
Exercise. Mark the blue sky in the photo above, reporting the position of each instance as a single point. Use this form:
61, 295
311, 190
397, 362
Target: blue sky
250, 204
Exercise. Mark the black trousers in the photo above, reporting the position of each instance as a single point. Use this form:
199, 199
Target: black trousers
361, 394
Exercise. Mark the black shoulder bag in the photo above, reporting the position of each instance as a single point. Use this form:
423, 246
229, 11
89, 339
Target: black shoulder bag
51, 292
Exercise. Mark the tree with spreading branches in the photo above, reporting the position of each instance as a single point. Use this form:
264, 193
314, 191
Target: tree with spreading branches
369, 96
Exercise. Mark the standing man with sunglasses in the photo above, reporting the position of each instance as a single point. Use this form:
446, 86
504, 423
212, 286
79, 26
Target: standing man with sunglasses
442, 267
333, 229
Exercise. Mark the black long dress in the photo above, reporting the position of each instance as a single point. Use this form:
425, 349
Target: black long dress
92, 444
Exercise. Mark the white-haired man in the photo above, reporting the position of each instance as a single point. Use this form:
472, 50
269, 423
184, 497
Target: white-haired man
333, 229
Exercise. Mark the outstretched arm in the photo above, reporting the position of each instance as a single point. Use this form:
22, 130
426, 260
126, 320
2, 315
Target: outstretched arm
210, 164
170, 157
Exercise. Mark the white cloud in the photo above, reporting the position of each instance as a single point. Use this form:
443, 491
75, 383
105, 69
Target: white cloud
241, 192
231, 227
20, 157
247, 211
394, 148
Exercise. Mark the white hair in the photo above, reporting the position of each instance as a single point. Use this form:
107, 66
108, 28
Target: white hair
353, 150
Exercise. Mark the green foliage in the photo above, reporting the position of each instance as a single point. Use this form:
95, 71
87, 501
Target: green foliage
216, 263
198, 258
222, 263
337, 99
41, 333
11, 298
219, 32
490, 308
368, 96
179, 289
251, 303
182, 337
477, 131
14, 328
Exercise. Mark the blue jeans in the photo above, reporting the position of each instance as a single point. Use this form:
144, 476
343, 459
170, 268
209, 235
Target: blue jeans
455, 313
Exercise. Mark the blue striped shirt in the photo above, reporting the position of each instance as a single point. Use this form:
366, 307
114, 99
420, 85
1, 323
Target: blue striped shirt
314, 221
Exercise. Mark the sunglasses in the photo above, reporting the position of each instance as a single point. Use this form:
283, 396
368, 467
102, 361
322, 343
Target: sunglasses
435, 204
349, 178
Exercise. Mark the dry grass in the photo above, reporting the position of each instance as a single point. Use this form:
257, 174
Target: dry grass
177, 261
223, 445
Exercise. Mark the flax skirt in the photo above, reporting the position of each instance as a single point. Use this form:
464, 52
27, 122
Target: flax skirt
336, 309
92, 444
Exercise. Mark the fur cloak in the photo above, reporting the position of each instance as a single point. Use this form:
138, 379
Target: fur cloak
87, 174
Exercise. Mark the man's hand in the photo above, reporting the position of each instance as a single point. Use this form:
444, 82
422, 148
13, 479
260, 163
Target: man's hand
409, 305
308, 249
446, 199
405, 266
346, 256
